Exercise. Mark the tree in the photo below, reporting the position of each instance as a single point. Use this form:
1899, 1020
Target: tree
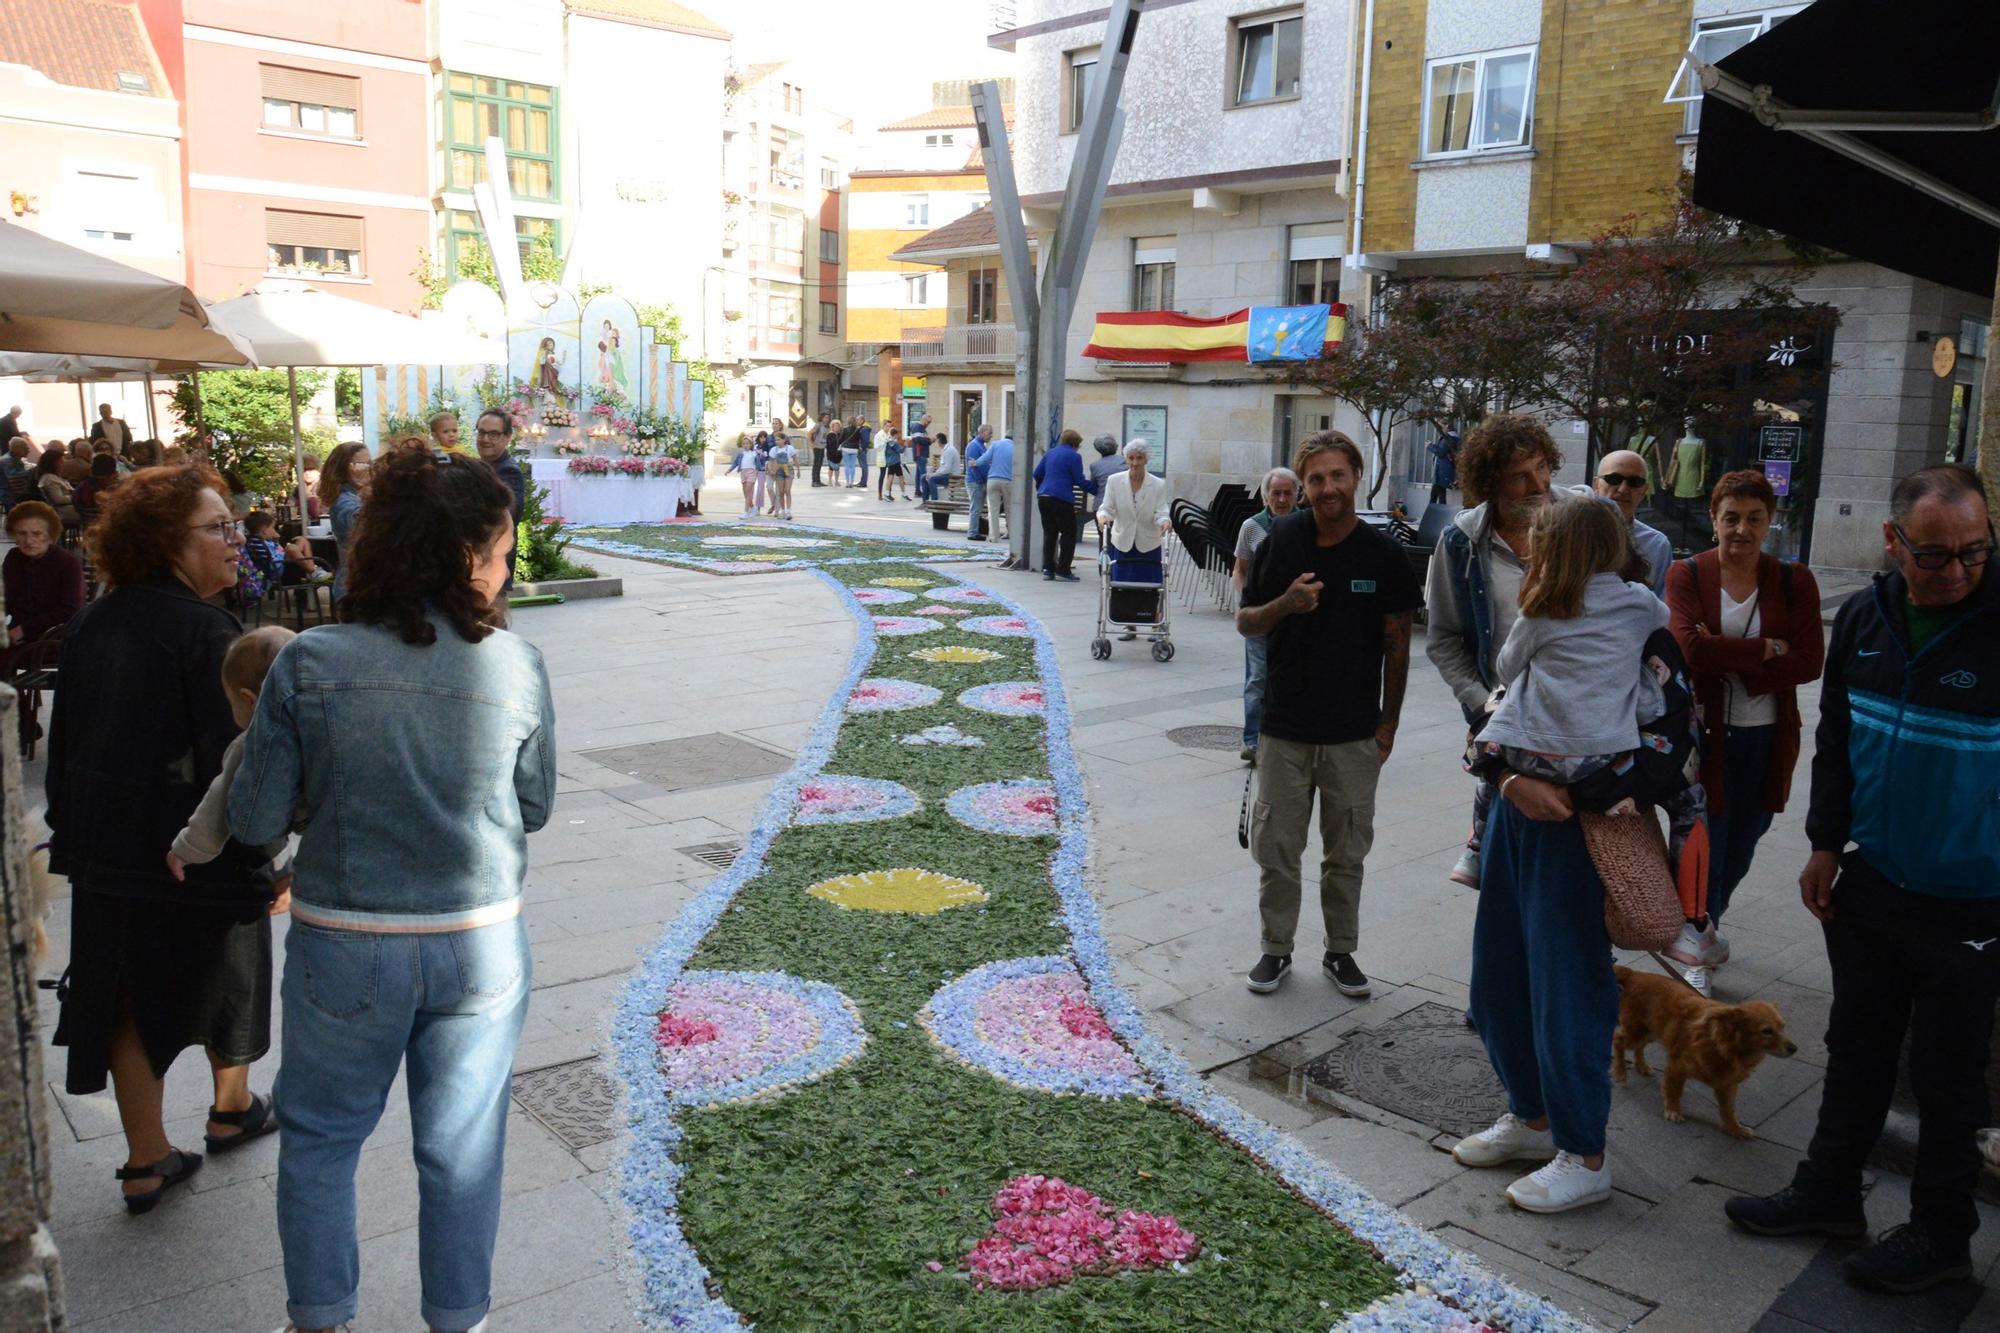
249, 414
347, 395
1375, 372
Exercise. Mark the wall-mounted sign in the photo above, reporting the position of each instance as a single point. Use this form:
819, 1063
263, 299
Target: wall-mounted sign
1149, 424
1780, 444
913, 386
1944, 357
1779, 474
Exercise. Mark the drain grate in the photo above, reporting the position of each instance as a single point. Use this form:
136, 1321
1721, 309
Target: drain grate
692, 761
1424, 1065
576, 1101
721, 855
1207, 738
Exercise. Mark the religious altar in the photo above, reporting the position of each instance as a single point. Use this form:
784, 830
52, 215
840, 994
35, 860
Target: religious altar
610, 501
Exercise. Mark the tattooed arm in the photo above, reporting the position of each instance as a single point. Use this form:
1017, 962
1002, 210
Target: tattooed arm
1395, 677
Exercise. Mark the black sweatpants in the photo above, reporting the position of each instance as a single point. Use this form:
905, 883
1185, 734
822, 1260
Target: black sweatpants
1931, 966
819, 463
1058, 533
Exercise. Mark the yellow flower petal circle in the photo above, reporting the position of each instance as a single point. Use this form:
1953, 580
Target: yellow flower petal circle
905, 583
956, 652
917, 892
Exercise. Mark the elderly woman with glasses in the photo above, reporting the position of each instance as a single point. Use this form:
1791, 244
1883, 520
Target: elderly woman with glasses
1133, 505
136, 736
1749, 625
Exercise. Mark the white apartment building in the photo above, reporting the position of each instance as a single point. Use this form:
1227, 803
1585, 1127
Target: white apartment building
1225, 194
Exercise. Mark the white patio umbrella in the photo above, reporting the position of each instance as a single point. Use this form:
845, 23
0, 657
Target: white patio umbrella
57, 298
291, 324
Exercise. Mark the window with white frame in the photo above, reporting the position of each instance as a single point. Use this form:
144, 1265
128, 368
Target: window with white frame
1712, 40
1153, 273
1478, 103
917, 211
1269, 51
310, 101
107, 205
1079, 76
916, 289
1315, 264
312, 243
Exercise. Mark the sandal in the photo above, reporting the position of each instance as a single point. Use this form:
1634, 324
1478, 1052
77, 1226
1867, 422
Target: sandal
185, 1164
253, 1121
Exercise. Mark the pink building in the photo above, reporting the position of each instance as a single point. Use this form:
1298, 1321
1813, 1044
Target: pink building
307, 142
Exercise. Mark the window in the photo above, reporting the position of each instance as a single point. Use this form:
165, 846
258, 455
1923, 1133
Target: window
939, 140
1315, 264
829, 317
1079, 77
795, 97
465, 236
981, 284
1268, 58
1473, 104
916, 289
788, 162
785, 317
760, 404
521, 115
829, 176
312, 243
1153, 273
108, 205
1713, 39
310, 102
917, 211
829, 246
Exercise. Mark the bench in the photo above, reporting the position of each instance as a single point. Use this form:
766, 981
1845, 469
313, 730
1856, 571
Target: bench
956, 501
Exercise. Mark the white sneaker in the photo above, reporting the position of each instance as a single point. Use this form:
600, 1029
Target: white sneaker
1466, 872
1714, 948
1509, 1140
1688, 949
1563, 1184
1698, 977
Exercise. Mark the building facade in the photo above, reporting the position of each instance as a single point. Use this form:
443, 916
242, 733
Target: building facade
967, 363
1504, 134
1225, 194
303, 154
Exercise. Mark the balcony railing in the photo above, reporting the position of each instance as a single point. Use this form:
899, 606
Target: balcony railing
959, 344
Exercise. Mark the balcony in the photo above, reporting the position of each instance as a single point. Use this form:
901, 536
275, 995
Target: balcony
960, 345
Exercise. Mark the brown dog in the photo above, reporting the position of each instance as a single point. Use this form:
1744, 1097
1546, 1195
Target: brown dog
1705, 1040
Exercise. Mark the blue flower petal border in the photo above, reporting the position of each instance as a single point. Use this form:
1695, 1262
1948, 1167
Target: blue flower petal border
676, 1282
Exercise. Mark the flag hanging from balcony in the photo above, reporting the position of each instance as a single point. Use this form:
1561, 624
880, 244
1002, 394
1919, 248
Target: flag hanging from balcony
1259, 333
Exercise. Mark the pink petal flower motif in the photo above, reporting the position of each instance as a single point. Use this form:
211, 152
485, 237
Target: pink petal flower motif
736, 1036
1031, 1022
899, 626
941, 611
999, 627
963, 593
1019, 807
883, 596
845, 800
1008, 698
1047, 1232
882, 694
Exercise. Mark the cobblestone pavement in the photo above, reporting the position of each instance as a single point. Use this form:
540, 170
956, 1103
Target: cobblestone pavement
678, 701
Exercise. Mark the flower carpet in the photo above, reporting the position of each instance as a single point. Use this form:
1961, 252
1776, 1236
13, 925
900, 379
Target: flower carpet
760, 548
879, 1075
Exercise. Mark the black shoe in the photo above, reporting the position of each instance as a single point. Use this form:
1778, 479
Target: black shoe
1269, 973
1794, 1212
1348, 979
1049, 574
1907, 1259
975, 539
1068, 577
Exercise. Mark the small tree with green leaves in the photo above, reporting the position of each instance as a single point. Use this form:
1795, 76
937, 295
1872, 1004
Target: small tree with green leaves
249, 413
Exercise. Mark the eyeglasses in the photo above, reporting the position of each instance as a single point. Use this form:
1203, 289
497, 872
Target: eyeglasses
492, 434
222, 532
1972, 557
1623, 479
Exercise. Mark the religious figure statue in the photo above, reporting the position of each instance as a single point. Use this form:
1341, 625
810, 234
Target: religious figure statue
548, 367
610, 359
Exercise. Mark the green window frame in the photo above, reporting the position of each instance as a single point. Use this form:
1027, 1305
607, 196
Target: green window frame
525, 116
462, 233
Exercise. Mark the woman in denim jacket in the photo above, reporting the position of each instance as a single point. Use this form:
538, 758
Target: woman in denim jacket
418, 741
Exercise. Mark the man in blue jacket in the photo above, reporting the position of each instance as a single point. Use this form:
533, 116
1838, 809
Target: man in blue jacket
978, 458
1905, 879
1059, 475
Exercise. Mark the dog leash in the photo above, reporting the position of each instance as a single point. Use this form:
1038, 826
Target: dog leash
1673, 971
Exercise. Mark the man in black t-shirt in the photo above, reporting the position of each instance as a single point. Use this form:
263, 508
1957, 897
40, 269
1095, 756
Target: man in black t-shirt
1335, 599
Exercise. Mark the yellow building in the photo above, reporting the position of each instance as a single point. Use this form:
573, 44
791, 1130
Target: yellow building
967, 358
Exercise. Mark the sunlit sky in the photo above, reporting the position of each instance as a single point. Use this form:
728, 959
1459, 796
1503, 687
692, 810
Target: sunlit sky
873, 60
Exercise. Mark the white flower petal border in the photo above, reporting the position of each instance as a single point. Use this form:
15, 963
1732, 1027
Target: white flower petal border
676, 1281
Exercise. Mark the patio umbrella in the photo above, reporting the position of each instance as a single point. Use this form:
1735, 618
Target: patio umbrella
60, 299
291, 324
1869, 129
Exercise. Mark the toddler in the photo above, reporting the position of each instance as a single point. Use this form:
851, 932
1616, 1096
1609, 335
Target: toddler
243, 669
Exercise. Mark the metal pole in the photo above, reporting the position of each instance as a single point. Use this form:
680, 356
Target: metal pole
82, 409
152, 423
298, 444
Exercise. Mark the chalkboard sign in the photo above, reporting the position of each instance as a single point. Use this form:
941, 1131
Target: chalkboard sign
1781, 444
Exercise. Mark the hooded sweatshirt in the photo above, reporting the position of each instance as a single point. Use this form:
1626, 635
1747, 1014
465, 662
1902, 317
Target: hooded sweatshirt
1578, 687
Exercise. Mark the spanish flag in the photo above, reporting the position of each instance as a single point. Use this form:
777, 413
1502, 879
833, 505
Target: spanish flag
1258, 333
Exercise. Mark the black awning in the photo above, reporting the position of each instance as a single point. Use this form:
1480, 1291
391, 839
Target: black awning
1938, 57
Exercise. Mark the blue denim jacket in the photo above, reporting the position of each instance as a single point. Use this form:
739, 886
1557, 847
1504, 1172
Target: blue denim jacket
346, 508
421, 771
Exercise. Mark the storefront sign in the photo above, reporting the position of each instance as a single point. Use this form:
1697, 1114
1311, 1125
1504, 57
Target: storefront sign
1944, 357
1780, 444
1779, 474
913, 386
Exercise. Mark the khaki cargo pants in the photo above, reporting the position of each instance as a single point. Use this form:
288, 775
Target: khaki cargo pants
1288, 775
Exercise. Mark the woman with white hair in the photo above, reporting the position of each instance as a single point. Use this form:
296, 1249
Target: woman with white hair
1281, 496
1134, 504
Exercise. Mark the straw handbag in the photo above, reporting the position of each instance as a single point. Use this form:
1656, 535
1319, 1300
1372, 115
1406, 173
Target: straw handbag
1642, 907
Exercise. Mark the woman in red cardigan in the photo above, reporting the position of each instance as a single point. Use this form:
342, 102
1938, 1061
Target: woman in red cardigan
1748, 624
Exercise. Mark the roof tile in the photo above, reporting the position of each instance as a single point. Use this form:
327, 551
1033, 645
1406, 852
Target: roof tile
656, 13
81, 43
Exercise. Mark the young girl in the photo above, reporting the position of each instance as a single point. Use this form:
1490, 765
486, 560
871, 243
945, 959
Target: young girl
892, 465
784, 466
761, 455
744, 465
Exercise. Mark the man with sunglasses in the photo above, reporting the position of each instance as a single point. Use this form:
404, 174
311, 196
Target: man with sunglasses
1905, 879
1621, 479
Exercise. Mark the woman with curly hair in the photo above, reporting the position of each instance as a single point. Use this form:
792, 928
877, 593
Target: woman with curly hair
136, 736
416, 742
343, 481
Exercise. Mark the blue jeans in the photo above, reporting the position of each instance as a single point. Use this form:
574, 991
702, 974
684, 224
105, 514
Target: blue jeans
1256, 669
1543, 996
850, 462
356, 1004
1733, 834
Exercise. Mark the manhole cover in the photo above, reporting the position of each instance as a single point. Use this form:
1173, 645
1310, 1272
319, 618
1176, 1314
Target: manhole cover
692, 761
576, 1100
1425, 1065
1207, 738
721, 855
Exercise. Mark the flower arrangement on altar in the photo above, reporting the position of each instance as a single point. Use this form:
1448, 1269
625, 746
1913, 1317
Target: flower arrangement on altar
558, 416
586, 465
628, 467
639, 447
570, 448
666, 467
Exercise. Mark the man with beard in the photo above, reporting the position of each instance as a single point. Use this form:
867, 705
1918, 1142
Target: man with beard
1474, 593
1334, 599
